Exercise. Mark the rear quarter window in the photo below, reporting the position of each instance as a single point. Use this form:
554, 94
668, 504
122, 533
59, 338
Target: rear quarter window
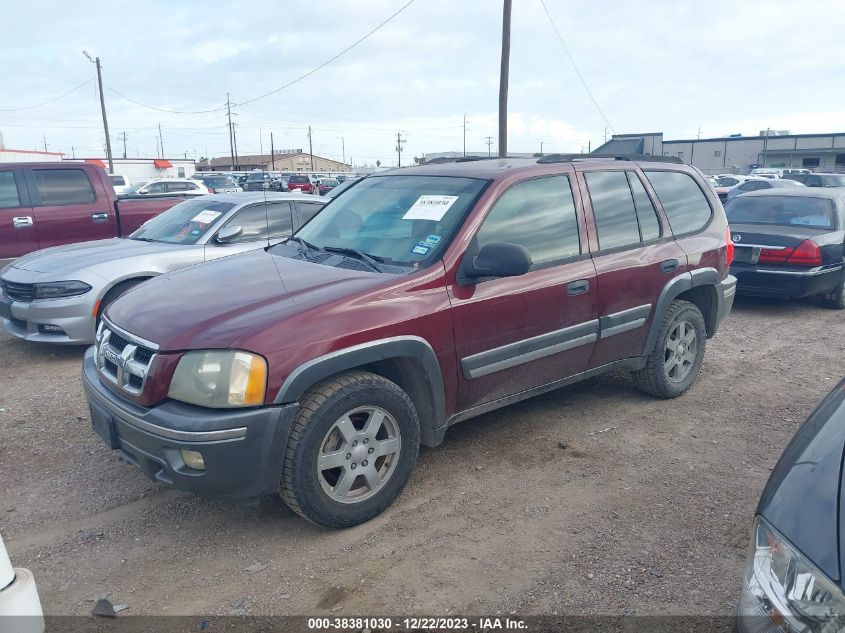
686, 206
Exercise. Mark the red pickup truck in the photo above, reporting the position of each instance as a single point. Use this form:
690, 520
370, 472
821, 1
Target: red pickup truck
48, 204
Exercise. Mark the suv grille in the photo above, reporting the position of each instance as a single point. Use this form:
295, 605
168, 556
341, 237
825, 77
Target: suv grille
18, 292
121, 361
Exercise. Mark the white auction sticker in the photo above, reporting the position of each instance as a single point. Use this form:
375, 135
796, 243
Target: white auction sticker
430, 208
206, 217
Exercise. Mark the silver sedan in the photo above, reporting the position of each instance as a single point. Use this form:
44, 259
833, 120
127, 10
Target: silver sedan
56, 295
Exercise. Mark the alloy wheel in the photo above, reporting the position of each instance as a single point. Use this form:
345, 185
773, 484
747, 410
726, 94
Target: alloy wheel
681, 351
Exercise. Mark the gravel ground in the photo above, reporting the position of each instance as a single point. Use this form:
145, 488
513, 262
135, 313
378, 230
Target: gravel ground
646, 510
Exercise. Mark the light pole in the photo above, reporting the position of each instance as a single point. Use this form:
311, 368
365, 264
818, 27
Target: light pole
96, 62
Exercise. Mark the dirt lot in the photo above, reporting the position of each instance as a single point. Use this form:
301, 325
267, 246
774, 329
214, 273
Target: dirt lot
645, 511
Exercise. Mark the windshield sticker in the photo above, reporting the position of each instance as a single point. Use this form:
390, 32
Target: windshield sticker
431, 240
206, 217
420, 249
430, 208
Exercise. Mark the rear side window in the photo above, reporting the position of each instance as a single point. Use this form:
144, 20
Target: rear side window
646, 213
613, 209
156, 187
307, 210
63, 186
8, 191
683, 200
118, 181
538, 214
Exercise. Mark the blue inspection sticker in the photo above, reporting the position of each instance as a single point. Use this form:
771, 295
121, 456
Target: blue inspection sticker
420, 249
431, 240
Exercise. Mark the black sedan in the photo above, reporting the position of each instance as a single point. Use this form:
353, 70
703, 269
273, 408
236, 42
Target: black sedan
790, 243
793, 580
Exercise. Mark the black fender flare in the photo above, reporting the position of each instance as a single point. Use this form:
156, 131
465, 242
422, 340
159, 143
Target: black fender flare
676, 286
432, 423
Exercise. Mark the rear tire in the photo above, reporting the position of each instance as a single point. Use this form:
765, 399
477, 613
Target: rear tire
674, 362
835, 299
351, 450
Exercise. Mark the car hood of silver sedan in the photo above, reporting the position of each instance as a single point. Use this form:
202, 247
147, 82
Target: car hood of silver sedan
61, 260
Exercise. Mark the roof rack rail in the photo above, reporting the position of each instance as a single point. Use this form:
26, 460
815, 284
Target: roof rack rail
459, 159
568, 158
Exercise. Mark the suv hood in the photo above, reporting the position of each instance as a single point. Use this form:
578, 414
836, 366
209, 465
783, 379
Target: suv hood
801, 498
212, 305
67, 259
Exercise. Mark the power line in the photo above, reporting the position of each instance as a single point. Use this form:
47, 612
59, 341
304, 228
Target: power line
575, 66
38, 105
324, 64
144, 105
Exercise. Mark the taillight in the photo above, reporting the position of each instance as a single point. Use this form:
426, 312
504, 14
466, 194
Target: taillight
807, 253
729, 247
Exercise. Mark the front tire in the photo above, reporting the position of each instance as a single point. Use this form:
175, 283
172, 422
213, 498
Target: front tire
676, 358
351, 450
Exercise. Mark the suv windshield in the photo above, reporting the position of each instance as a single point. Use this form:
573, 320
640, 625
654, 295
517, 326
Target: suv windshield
218, 181
134, 188
260, 176
403, 220
781, 210
185, 223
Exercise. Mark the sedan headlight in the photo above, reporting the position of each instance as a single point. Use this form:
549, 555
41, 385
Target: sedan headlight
57, 289
220, 379
785, 592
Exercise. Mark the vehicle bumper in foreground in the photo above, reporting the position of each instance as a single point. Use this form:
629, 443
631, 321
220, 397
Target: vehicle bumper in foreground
242, 450
727, 293
762, 281
27, 320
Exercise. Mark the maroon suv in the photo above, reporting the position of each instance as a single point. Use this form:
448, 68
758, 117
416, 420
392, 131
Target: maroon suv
419, 298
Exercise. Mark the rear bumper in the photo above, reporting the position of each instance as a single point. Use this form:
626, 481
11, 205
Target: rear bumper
761, 281
726, 295
243, 450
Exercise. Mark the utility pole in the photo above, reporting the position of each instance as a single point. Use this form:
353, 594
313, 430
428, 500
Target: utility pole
343, 148
605, 134
541, 148
45, 142
123, 136
235, 138
161, 140
231, 137
699, 133
399, 142
272, 153
503, 78
490, 145
465, 134
765, 146
96, 62
310, 148
72, 152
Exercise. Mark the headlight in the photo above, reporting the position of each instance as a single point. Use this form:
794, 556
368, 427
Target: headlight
56, 289
220, 379
784, 592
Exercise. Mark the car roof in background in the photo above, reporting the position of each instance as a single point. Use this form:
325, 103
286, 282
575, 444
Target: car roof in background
244, 197
798, 192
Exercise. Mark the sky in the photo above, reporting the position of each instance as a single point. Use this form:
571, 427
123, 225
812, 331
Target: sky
686, 68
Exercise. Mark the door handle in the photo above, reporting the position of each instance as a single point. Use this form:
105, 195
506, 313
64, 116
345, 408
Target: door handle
669, 266
100, 217
577, 287
22, 222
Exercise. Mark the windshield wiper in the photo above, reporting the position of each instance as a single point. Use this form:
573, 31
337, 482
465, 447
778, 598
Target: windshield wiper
372, 260
143, 239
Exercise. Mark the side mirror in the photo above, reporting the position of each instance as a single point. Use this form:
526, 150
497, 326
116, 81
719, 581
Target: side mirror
229, 233
142, 191
498, 259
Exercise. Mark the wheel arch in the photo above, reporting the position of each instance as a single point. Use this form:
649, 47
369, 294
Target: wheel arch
115, 284
408, 361
699, 287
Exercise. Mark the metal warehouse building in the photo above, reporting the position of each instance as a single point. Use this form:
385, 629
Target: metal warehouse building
740, 154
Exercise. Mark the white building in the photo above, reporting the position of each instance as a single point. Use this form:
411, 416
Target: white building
28, 156
134, 169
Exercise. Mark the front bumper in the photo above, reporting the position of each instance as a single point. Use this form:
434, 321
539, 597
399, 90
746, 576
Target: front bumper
243, 450
73, 314
785, 283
